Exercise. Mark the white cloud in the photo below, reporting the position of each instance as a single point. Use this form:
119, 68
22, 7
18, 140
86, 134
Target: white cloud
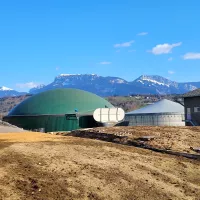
171, 72
164, 48
105, 63
191, 56
27, 85
125, 44
142, 33
170, 59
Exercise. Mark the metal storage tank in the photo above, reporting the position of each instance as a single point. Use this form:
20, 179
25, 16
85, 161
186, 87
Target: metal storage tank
57, 110
161, 113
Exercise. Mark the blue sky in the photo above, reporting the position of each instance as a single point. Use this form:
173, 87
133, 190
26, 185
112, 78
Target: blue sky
42, 39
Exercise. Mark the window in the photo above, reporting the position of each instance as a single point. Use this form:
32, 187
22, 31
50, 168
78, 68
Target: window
196, 109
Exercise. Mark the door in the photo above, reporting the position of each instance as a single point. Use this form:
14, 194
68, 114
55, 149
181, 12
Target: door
189, 114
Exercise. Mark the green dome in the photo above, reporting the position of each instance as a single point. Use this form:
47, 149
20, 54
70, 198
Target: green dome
59, 102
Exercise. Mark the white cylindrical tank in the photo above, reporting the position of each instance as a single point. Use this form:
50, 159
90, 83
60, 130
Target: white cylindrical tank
162, 119
162, 113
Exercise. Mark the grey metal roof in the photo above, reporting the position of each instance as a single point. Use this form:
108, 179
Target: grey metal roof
163, 106
193, 93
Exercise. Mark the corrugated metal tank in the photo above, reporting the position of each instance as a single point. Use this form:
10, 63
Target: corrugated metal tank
162, 113
57, 110
173, 119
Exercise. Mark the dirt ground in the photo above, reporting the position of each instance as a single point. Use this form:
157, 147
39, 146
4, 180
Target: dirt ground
178, 139
42, 166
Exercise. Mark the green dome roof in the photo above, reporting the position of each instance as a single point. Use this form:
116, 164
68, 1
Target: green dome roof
60, 101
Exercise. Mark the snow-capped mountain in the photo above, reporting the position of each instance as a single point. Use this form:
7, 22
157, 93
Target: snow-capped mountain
5, 91
106, 86
161, 85
90, 82
37, 88
3, 88
155, 80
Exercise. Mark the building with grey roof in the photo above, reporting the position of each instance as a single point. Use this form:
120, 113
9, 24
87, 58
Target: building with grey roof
161, 113
192, 107
194, 93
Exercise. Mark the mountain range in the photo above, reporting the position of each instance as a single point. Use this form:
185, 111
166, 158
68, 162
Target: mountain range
4, 92
109, 86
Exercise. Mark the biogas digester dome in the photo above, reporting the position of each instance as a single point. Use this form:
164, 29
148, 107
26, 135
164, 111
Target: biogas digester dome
57, 110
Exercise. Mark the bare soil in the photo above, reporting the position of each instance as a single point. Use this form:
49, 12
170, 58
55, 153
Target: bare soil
42, 166
178, 139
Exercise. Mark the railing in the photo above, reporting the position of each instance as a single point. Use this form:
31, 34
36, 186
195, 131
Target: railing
191, 122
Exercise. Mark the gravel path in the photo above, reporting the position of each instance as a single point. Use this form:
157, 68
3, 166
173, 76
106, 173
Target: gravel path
7, 129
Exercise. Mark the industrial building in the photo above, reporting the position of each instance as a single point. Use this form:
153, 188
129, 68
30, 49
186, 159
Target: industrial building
192, 107
161, 113
57, 110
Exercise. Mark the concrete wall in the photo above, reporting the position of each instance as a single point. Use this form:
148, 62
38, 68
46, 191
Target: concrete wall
158, 119
190, 104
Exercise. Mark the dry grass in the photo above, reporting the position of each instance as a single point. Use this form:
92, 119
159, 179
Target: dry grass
28, 137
